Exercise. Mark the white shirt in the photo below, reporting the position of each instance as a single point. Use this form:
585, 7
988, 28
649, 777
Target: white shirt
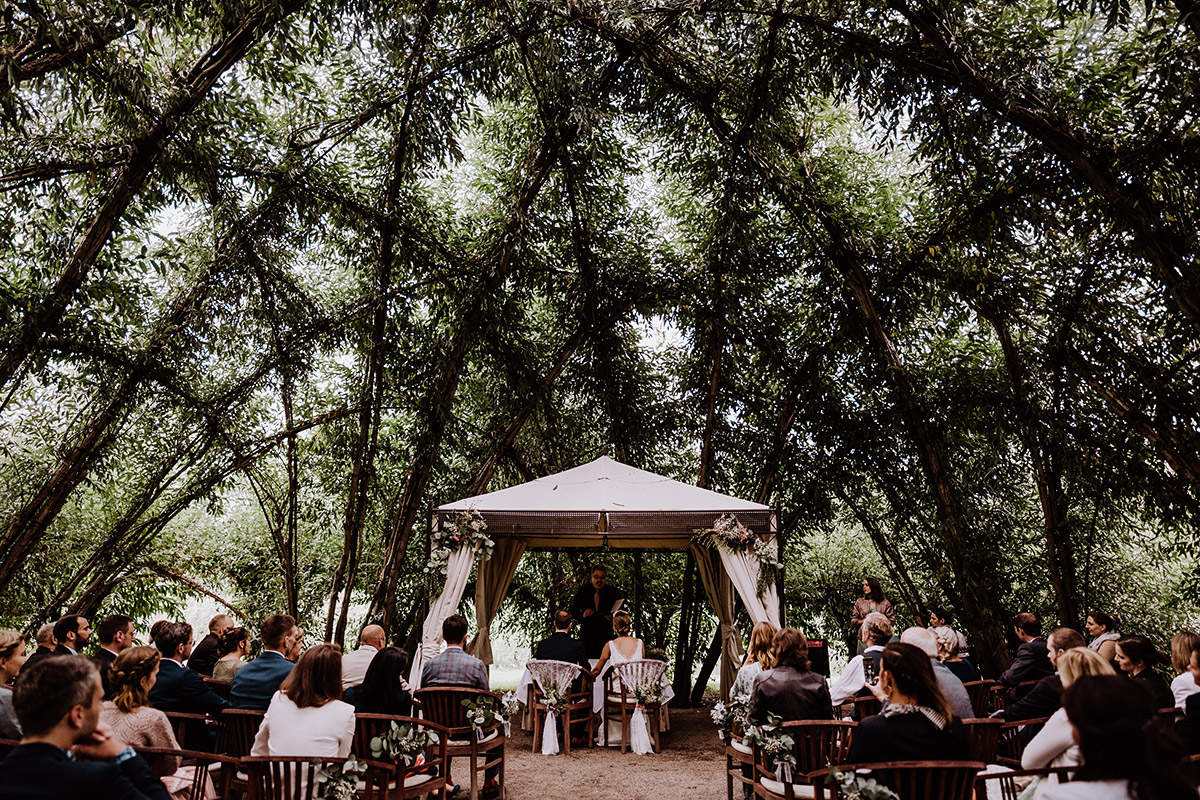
321, 731
852, 679
1089, 790
1183, 687
354, 665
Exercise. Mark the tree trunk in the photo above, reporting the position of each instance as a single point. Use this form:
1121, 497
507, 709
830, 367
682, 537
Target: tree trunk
711, 655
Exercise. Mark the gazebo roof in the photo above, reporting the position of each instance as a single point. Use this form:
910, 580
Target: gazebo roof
606, 502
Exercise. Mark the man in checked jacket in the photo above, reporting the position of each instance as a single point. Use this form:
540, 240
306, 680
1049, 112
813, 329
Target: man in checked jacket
454, 667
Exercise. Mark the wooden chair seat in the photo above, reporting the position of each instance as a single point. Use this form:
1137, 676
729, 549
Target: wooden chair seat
430, 777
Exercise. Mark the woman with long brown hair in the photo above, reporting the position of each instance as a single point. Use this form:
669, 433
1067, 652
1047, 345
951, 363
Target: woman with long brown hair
872, 601
790, 689
917, 723
307, 716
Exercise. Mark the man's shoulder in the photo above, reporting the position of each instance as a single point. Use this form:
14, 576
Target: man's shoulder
42, 770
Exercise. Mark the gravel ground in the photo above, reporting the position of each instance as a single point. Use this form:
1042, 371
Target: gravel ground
690, 765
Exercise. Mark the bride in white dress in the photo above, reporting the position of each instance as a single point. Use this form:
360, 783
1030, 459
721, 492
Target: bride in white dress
617, 651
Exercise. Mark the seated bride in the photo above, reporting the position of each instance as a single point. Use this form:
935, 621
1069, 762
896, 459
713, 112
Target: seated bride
619, 650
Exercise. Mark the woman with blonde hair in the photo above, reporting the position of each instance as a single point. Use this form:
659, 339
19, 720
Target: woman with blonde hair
758, 658
12, 658
1182, 645
624, 647
1055, 745
134, 721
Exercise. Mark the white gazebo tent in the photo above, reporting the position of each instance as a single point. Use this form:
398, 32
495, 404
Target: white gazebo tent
603, 504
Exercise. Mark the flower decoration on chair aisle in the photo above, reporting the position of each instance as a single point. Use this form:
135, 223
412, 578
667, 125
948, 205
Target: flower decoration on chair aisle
555, 700
776, 743
464, 528
730, 534
338, 781
725, 717
853, 786
403, 744
482, 714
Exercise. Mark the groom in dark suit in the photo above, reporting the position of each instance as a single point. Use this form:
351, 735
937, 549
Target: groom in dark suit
593, 607
561, 645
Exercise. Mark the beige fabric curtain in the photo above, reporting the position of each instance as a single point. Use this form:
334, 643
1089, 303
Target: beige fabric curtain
742, 568
719, 589
458, 572
491, 585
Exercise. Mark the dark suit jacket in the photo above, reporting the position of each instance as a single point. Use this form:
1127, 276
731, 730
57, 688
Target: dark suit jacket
789, 693
1156, 687
561, 646
104, 659
43, 770
204, 655
596, 629
1041, 701
180, 689
1031, 663
256, 683
1188, 728
37, 655
63, 650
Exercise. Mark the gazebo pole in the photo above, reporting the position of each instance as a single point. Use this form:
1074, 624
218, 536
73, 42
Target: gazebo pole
779, 581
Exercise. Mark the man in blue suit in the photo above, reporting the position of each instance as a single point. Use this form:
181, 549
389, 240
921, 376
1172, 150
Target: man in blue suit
181, 689
256, 683
58, 704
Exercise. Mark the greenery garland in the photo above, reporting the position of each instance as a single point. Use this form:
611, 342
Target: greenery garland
465, 527
730, 534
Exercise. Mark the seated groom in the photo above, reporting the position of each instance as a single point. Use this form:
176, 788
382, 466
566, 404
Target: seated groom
561, 645
256, 683
66, 751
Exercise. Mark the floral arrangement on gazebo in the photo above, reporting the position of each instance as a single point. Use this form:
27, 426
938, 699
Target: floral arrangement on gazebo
730, 534
465, 527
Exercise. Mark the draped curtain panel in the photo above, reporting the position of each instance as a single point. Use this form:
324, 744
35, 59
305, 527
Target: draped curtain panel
719, 589
743, 570
491, 586
458, 572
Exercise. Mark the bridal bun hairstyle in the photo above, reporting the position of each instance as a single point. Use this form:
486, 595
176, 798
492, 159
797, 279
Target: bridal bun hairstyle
621, 623
127, 675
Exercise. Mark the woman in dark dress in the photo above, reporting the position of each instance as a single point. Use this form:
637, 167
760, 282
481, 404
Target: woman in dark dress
383, 690
917, 723
1138, 656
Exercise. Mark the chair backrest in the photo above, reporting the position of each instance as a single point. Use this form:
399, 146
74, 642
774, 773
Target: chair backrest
182, 724
980, 693
295, 778
241, 725
220, 688
1011, 783
867, 706
553, 674
369, 726
1012, 743
927, 780
444, 705
983, 738
632, 674
820, 743
204, 780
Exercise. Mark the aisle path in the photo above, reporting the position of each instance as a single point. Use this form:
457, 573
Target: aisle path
690, 766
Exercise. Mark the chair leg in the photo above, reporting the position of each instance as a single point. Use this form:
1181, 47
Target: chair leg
624, 728
657, 722
567, 732
537, 731
474, 775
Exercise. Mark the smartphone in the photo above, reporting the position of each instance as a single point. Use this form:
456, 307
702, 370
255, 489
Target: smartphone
869, 676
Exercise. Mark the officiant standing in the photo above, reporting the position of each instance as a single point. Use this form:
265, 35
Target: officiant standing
594, 605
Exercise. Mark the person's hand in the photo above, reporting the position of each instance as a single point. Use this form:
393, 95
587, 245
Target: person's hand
877, 691
588, 613
102, 746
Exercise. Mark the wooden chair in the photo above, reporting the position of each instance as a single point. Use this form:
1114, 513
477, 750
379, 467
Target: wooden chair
192, 731
443, 706
207, 767
557, 674
817, 745
240, 727
1000, 693
927, 780
867, 706
983, 736
620, 696
428, 779
980, 692
220, 688
1011, 745
1009, 788
738, 755
295, 777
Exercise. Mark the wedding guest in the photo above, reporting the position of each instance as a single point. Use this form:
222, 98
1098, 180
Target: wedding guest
454, 667
916, 723
1188, 728
871, 602
383, 690
875, 632
45, 645
355, 664
204, 654
115, 633
134, 721
72, 632
1137, 656
256, 683
948, 653
1103, 630
178, 688
789, 689
758, 658
948, 683
1124, 753
306, 716
939, 617
232, 650
1054, 745
12, 658
593, 606
1046, 695
66, 752
1184, 684
1031, 661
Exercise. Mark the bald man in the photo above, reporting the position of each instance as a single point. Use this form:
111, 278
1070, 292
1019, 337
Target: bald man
354, 665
